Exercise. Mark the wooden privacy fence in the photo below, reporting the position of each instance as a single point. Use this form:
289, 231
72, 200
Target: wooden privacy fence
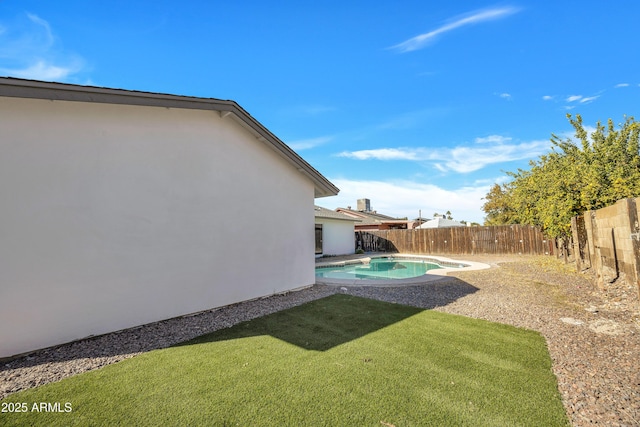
500, 239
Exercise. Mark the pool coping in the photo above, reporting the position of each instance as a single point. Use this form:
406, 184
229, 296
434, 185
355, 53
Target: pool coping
430, 276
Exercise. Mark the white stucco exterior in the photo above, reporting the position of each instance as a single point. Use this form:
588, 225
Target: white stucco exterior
338, 237
338, 232
119, 215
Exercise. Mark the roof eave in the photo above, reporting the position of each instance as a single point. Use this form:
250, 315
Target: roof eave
338, 219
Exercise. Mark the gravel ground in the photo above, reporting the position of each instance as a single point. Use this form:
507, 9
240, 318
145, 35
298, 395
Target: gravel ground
593, 334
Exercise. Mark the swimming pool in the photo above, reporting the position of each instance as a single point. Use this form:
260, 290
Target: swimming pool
389, 270
378, 268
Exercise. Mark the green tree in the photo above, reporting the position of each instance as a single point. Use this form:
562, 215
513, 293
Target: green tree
498, 206
588, 172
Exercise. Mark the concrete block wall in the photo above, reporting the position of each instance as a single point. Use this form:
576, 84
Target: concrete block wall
613, 242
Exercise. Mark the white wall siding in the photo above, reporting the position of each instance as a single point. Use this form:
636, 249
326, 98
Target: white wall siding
338, 237
114, 216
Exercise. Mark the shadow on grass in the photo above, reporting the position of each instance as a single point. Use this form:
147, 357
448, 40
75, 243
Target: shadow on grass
319, 325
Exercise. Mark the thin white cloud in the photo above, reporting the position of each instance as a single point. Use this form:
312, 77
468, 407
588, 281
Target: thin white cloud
580, 99
43, 70
404, 198
589, 99
45, 27
30, 50
622, 85
573, 100
505, 95
386, 154
470, 159
423, 40
306, 144
497, 139
462, 159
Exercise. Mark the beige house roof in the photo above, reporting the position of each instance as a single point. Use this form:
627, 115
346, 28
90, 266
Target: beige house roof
371, 218
321, 212
20, 88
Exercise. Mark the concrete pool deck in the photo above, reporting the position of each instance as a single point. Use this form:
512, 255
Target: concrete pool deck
448, 265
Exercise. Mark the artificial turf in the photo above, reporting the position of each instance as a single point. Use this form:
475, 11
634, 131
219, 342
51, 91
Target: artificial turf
337, 361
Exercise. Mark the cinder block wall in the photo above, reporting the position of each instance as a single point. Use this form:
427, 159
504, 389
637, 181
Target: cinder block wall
610, 243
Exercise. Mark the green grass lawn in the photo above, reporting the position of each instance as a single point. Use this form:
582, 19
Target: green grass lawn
338, 361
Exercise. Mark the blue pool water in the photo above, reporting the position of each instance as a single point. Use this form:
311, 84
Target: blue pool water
378, 269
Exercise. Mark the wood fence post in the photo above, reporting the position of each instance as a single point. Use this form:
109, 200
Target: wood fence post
580, 242
635, 239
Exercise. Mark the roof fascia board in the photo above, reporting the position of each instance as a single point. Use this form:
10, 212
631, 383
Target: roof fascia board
68, 92
323, 215
338, 219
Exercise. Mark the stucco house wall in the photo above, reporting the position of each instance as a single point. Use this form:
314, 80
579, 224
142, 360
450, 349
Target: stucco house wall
116, 215
338, 237
338, 232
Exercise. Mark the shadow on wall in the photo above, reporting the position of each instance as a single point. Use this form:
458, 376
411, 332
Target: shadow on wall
369, 242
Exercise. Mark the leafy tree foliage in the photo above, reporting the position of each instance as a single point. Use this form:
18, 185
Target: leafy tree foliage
498, 207
592, 171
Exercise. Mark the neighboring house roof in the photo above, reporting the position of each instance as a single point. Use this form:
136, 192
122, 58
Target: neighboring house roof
321, 212
440, 222
20, 88
371, 218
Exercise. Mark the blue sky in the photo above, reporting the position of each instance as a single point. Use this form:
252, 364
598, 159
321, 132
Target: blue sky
415, 105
